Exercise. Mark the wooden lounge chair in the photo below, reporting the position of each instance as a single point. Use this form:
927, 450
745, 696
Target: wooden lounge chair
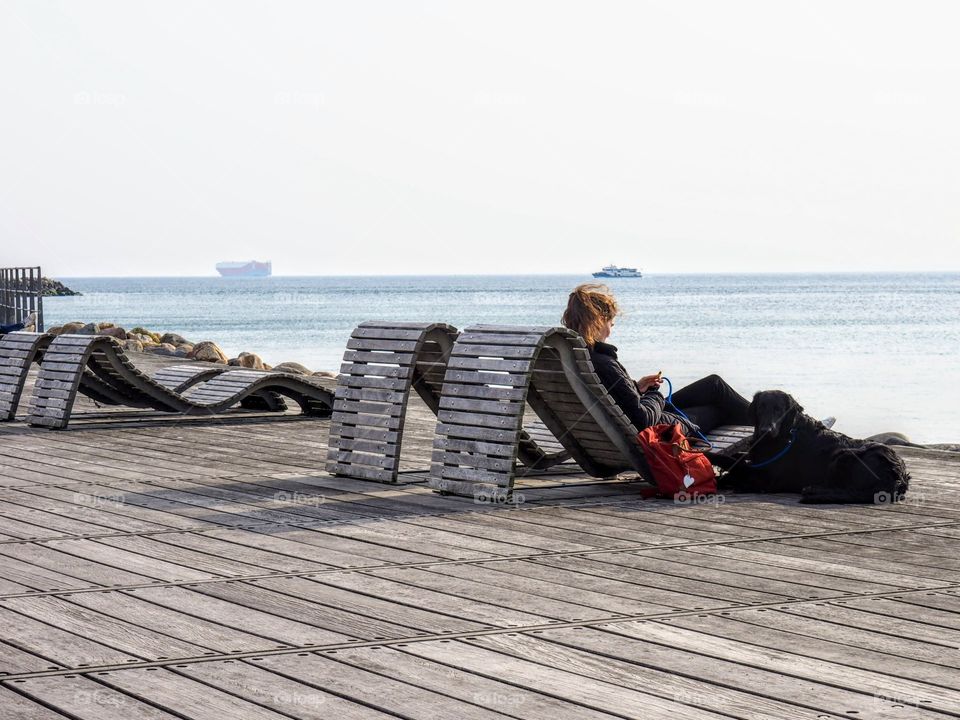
182, 376
69, 357
18, 351
383, 362
493, 371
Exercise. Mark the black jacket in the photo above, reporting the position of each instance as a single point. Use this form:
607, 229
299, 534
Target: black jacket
643, 409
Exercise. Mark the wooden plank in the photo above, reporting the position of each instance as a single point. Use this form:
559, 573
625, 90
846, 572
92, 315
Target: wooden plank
841, 645
392, 333
382, 693
294, 699
666, 673
17, 707
378, 344
368, 419
462, 685
471, 405
472, 377
127, 637
791, 666
200, 601
372, 356
184, 697
59, 647
84, 698
594, 691
377, 383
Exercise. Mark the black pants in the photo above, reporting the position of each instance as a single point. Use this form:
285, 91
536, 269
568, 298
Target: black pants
11, 328
710, 402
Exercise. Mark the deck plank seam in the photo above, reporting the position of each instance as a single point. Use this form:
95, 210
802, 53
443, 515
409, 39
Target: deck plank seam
466, 635
452, 561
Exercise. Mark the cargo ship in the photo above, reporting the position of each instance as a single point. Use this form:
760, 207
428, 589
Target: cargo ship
249, 268
612, 271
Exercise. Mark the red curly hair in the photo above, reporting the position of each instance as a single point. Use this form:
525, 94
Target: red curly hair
589, 308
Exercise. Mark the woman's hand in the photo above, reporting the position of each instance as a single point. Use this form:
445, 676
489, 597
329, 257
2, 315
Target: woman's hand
649, 382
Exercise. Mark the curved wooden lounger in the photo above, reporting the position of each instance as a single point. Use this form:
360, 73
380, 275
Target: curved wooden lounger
69, 357
182, 376
18, 351
383, 362
493, 371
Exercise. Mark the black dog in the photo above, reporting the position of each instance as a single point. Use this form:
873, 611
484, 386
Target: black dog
791, 452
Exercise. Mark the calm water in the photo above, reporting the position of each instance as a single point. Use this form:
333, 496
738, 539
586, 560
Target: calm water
879, 351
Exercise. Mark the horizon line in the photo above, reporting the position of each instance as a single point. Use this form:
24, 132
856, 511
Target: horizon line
531, 274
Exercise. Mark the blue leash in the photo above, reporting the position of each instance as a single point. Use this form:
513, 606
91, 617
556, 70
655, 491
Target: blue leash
682, 414
793, 437
793, 431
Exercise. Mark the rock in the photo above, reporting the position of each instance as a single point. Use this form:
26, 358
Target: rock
324, 374
248, 360
143, 331
174, 339
208, 351
118, 332
71, 328
292, 367
185, 348
55, 288
105, 325
133, 345
55, 330
88, 329
164, 349
267, 367
893, 438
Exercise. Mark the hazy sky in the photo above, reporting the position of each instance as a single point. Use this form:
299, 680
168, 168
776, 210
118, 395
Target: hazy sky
158, 138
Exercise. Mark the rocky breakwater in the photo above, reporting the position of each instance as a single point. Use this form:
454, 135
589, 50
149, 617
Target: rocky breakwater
140, 339
55, 288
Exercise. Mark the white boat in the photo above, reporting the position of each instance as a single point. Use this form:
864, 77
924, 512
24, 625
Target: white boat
247, 268
612, 271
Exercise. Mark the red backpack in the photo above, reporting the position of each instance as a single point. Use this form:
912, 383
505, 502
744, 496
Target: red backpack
679, 471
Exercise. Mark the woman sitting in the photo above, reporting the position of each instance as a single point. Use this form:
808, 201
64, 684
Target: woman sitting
708, 402
28, 322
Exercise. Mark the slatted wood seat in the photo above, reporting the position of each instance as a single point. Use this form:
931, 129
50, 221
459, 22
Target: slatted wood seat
383, 362
18, 351
493, 371
69, 358
182, 376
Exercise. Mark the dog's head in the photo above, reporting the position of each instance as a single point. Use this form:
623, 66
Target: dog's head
871, 473
773, 411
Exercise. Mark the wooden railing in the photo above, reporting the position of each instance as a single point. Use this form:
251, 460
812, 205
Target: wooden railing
20, 295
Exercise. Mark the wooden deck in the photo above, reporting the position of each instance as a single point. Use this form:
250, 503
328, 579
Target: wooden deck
183, 569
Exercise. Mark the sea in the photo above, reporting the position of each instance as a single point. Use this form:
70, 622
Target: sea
881, 352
